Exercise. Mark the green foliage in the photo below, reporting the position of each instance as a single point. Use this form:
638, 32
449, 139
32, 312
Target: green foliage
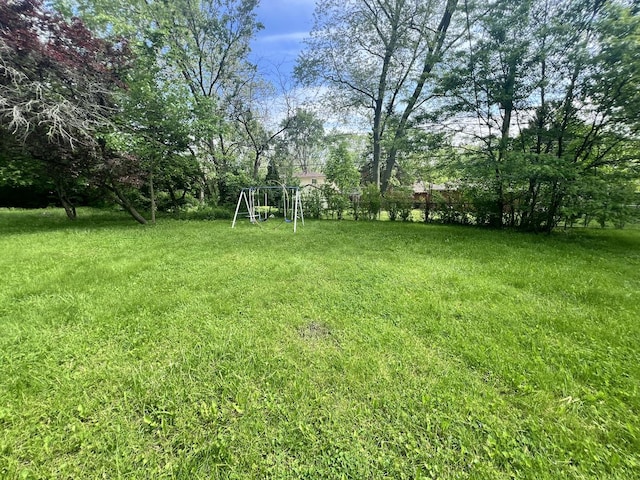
341, 169
539, 191
618, 69
371, 201
17, 168
313, 203
536, 176
376, 59
273, 177
343, 180
399, 203
189, 114
452, 208
337, 202
190, 72
205, 212
352, 350
230, 183
356, 207
301, 143
608, 198
24, 181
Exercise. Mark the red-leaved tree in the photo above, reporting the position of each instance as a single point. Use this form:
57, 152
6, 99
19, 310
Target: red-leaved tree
57, 86
55, 75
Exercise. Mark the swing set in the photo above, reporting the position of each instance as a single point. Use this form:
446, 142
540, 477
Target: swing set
258, 213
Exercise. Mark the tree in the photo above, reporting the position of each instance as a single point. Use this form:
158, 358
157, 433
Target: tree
371, 201
343, 179
23, 180
590, 128
200, 46
375, 54
154, 125
257, 138
492, 82
207, 43
341, 170
302, 141
551, 103
398, 202
57, 86
56, 77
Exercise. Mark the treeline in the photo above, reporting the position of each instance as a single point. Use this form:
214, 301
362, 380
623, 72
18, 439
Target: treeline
529, 111
151, 105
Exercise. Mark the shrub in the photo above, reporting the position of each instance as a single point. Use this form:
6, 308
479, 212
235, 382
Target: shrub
399, 203
337, 202
205, 212
371, 201
312, 203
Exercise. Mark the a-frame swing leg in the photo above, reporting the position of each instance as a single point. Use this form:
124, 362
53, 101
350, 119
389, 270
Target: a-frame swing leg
235, 215
300, 207
297, 205
250, 209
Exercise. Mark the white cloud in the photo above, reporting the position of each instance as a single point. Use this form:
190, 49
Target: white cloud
278, 106
283, 37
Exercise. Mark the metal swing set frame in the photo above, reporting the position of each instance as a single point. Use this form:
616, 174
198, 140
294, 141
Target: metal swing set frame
251, 197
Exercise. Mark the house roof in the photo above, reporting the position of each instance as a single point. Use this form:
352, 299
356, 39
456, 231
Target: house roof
309, 175
424, 187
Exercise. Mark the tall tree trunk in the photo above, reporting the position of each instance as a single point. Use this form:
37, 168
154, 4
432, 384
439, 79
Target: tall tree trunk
377, 149
378, 130
256, 166
568, 112
529, 221
528, 216
172, 196
432, 58
554, 205
496, 218
152, 193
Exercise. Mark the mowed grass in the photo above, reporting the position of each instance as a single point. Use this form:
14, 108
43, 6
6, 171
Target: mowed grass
348, 350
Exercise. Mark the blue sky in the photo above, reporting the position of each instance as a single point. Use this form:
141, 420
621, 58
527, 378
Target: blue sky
286, 24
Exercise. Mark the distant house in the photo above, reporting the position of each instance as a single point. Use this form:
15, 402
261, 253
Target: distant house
423, 192
315, 179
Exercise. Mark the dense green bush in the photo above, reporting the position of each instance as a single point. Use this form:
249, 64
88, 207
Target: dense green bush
371, 201
312, 203
337, 203
399, 202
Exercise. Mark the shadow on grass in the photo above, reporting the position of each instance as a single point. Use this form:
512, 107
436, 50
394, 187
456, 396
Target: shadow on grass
21, 221
356, 236
477, 243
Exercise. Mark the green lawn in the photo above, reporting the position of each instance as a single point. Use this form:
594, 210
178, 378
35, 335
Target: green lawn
348, 350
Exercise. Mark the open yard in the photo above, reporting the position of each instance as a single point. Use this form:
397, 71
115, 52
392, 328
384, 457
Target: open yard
348, 350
